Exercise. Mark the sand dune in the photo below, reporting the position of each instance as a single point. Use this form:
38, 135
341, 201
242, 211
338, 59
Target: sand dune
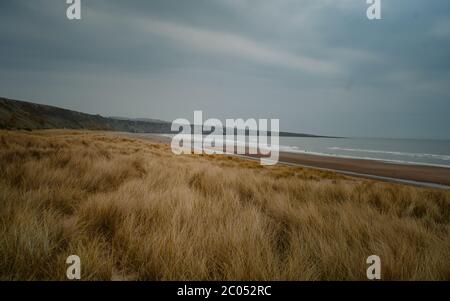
132, 210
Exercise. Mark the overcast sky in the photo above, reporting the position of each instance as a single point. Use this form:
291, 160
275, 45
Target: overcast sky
320, 66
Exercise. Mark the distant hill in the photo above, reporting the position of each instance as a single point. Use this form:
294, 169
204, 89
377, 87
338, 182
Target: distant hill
22, 115
139, 119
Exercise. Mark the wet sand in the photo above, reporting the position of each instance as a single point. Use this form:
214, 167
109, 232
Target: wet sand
418, 173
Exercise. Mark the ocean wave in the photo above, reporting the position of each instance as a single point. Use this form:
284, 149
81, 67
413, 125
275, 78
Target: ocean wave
295, 149
406, 154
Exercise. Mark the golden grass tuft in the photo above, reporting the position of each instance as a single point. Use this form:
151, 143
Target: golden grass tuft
133, 211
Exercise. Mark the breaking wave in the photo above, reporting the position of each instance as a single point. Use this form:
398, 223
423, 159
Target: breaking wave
405, 154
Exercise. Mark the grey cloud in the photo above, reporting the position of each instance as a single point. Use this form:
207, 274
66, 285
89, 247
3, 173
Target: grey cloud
318, 65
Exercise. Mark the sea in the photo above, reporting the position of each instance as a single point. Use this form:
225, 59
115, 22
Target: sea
400, 151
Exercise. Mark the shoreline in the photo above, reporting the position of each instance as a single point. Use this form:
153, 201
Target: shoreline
409, 174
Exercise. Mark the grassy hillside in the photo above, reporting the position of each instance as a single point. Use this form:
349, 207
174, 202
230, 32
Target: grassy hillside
30, 116
23, 115
132, 210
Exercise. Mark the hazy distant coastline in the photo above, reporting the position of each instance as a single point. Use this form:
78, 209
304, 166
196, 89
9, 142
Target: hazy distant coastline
22, 115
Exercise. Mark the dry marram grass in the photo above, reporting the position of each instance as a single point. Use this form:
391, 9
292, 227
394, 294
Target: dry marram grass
132, 210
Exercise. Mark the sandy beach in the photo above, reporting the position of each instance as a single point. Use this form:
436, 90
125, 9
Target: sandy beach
417, 173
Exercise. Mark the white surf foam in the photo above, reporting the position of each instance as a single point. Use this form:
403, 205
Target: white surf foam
406, 154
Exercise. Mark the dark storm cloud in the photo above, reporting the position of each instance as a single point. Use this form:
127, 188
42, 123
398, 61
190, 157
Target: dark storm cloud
318, 65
